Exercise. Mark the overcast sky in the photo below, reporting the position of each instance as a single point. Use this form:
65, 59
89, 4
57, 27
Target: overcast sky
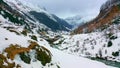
69, 8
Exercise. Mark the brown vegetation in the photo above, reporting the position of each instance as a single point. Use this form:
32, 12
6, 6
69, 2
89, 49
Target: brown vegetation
3, 60
33, 45
42, 53
15, 49
11, 30
24, 32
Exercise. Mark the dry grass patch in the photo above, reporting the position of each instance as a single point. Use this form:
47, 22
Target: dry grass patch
12, 50
11, 30
42, 53
3, 60
33, 45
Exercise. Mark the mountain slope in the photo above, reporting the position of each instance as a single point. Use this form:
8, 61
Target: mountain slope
108, 12
16, 45
103, 46
55, 23
99, 39
41, 16
21, 45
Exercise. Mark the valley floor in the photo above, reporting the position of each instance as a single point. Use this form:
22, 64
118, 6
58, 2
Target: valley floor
71, 61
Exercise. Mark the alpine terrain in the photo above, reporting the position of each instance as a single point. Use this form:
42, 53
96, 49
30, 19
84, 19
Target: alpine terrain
31, 37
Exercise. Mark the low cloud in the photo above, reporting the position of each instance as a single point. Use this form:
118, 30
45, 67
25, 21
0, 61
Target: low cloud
67, 8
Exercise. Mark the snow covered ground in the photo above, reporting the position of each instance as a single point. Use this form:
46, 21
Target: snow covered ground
63, 59
71, 61
60, 59
104, 44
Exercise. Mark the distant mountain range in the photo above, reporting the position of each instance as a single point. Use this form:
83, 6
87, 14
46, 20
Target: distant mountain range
78, 20
75, 21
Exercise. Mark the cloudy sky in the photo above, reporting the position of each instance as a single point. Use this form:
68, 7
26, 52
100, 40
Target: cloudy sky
69, 8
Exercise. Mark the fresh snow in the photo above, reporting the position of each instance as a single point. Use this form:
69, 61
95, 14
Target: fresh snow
71, 61
60, 58
12, 39
92, 45
26, 6
63, 59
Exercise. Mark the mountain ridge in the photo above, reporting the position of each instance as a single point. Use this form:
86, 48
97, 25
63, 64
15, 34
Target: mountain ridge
105, 17
30, 14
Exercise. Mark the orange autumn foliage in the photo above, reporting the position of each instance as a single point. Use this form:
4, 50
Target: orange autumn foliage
13, 50
3, 60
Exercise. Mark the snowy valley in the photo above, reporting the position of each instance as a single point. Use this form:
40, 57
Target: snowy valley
33, 38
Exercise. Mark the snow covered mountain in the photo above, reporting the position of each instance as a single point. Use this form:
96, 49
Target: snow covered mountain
108, 12
102, 46
23, 41
99, 39
77, 20
74, 21
39, 15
